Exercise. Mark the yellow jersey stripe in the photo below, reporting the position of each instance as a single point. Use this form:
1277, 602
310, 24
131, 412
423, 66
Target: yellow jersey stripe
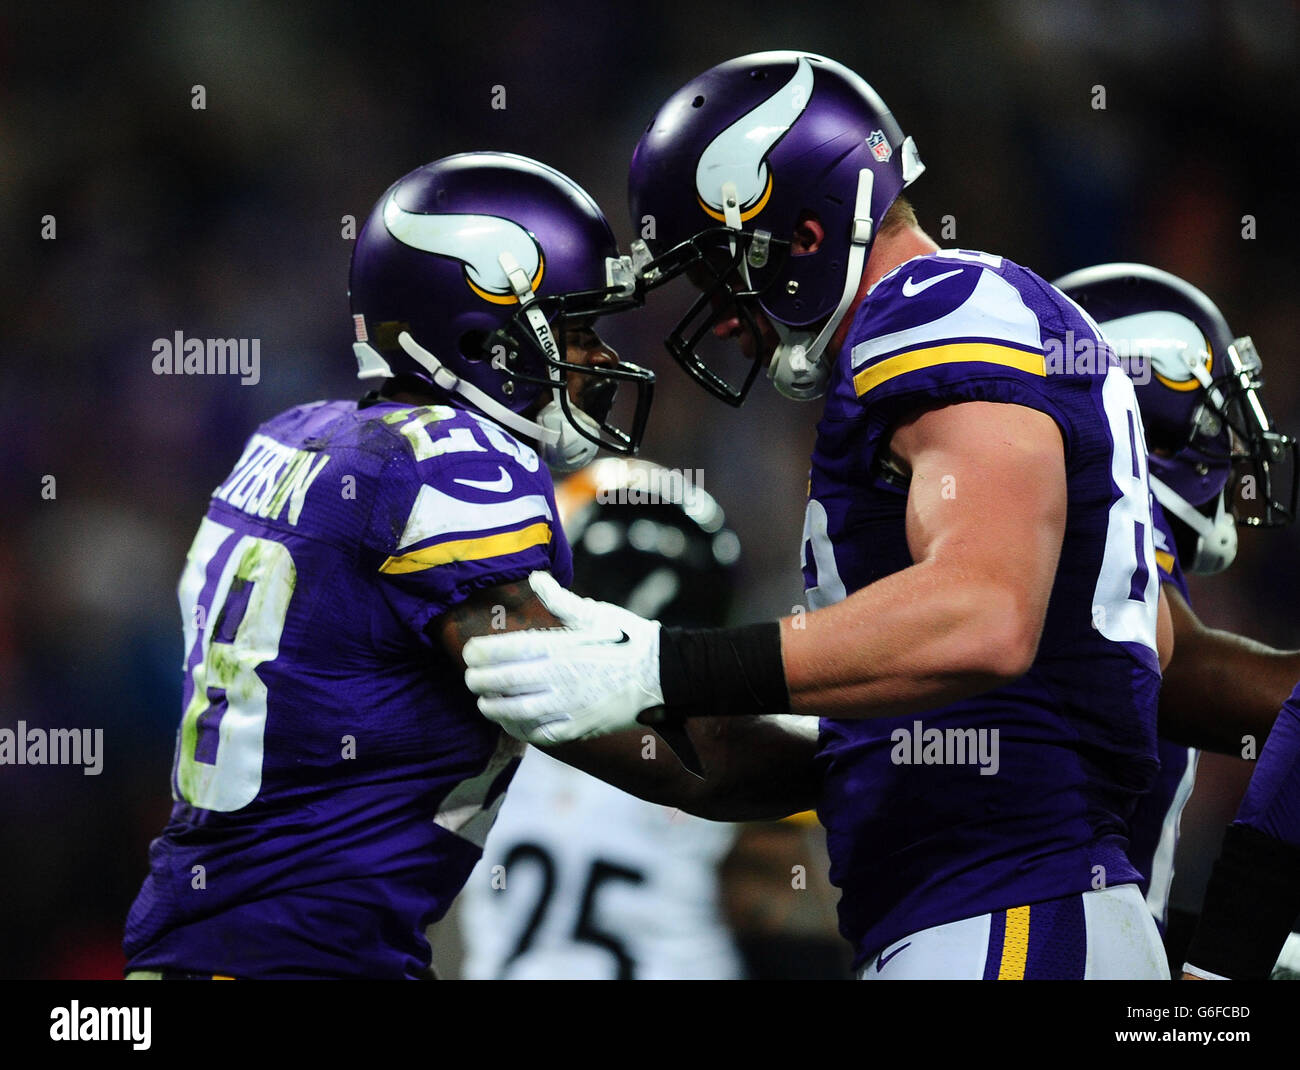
444, 553
1015, 945
1166, 561
981, 352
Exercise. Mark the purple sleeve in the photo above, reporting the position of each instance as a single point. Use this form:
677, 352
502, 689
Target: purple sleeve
1272, 801
451, 526
944, 331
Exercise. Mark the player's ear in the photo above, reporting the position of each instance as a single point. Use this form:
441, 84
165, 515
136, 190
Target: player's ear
808, 234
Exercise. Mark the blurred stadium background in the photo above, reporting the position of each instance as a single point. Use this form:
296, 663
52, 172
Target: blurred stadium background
226, 222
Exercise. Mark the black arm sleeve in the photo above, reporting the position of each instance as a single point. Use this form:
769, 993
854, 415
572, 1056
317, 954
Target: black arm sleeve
720, 672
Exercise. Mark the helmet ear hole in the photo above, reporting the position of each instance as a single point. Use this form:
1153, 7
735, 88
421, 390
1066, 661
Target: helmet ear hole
473, 346
1163, 439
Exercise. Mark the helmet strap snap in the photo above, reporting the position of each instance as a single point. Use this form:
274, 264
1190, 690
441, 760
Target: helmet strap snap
731, 216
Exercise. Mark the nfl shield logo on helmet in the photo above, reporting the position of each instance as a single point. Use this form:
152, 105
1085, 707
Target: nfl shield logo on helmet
879, 146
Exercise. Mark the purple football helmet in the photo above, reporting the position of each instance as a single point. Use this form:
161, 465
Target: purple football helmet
466, 273
1198, 390
727, 169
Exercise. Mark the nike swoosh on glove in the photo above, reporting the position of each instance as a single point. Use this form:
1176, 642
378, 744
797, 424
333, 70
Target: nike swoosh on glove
589, 678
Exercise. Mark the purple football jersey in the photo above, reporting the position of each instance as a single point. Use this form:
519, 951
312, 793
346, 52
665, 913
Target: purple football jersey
1023, 793
1153, 829
333, 778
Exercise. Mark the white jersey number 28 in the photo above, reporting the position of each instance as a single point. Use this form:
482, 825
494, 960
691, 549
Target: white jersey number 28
219, 747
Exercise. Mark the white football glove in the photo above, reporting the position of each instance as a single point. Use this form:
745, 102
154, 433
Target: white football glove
589, 678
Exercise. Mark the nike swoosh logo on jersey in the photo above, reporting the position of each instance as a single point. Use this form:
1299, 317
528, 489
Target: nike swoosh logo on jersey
500, 485
882, 958
911, 289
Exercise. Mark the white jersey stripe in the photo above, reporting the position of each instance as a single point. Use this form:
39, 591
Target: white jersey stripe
435, 514
1162, 862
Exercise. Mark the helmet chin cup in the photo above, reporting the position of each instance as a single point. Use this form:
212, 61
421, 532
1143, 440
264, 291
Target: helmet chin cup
1216, 537
1216, 544
370, 362
795, 373
570, 450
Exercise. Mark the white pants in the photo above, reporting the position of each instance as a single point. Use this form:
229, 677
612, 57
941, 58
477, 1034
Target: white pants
1102, 935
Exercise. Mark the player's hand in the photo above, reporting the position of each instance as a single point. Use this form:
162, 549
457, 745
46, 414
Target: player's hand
589, 678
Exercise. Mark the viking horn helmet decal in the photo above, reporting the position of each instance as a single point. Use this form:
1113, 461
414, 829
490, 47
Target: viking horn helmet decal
739, 154
1174, 346
475, 240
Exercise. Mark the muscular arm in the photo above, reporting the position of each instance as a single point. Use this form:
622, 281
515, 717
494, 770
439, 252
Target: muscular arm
985, 523
758, 768
1220, 687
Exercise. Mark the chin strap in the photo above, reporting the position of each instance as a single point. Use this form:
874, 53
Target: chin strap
445, 379
797, 368
1216, 539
